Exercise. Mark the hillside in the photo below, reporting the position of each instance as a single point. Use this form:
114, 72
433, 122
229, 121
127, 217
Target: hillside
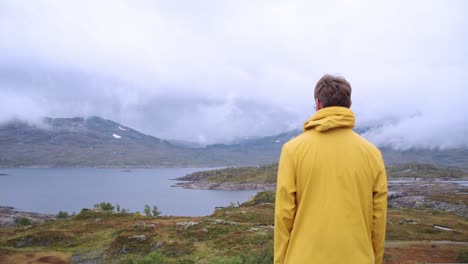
441, 157
236, 234
266, 150
97, 142
70, 142
424, 171
86, 142
263, 174
267, 174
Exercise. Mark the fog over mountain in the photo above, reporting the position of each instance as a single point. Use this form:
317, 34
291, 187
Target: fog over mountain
219, 71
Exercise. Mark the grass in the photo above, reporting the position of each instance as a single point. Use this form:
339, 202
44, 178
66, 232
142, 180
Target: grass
228, 232
462, 256
418, 224
423, 253
426, 171
242, 234
263, 174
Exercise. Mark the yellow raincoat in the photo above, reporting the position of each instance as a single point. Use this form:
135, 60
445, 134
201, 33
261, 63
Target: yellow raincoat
331, 198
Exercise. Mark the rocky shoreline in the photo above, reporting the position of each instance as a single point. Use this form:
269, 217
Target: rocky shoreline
9, 216
435, 194
225, 186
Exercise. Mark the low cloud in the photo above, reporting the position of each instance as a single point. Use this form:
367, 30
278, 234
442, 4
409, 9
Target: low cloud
216, 71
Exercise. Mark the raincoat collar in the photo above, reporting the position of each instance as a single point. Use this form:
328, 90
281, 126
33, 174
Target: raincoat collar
329, 118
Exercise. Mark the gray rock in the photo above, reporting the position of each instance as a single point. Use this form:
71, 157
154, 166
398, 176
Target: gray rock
221, 221
143, 226
186, 224
8, 216
138, 237
157, 246
86, 259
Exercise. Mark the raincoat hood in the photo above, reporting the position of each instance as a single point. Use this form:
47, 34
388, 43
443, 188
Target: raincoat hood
329, 118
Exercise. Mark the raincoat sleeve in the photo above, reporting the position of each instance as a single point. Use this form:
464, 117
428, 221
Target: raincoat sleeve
285, 206
379, 213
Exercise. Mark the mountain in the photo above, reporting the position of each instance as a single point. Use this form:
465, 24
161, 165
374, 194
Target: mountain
442, 157
86, 142
94, 141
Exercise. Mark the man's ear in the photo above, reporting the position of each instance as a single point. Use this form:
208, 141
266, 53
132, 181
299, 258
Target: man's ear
318, 104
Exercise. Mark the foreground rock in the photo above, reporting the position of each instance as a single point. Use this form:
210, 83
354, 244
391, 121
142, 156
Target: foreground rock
9, 216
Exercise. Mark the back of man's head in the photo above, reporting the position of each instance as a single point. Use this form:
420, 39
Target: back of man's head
333, 91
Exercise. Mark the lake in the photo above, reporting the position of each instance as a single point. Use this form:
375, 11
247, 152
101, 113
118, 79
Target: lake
50, 190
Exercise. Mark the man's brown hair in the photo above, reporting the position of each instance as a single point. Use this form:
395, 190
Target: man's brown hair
333, 91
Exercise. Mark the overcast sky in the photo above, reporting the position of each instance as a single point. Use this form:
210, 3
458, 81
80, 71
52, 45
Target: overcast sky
215, 71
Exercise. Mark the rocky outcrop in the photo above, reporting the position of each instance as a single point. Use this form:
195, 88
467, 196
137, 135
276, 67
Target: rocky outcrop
227, 186
10, 216
419, 201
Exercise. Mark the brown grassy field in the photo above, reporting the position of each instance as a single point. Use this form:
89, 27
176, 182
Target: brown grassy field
241, 234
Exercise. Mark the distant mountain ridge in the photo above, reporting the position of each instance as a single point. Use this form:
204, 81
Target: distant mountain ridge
442, 157
78, 141
98, 142
80, 132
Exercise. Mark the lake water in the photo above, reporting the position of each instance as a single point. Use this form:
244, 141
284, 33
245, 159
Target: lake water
71, 189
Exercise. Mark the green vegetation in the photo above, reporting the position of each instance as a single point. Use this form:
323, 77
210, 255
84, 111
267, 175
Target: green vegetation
23, 221
418, 224
248, 258
421, 170
147, 210
235, 234
62, 214
156, 211
267, 174
226, 260
151, 258
463, 256
263, 174
262, 197
105, 207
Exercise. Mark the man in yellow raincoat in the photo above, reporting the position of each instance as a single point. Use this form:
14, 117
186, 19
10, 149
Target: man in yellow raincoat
331, 197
